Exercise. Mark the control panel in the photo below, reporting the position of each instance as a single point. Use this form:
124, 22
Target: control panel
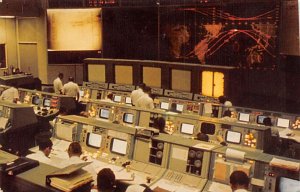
107, 144
112, 113
283, 176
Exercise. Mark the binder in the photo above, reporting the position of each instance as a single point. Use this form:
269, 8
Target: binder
70, 177
19, 165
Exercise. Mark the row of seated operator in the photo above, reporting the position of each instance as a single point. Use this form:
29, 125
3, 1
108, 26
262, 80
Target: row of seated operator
106, 180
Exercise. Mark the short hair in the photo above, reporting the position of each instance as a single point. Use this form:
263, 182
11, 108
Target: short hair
239, 178
74, 149
61, 75
71, 78
142, 85
44, 144
105, 179
222, 99
202, 137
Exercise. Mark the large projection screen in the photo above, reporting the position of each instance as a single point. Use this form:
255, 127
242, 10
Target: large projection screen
74, 29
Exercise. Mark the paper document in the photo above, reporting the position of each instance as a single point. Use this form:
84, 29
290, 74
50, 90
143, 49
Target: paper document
236, 155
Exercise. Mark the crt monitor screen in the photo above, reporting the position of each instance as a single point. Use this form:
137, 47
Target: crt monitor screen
287, 185
187, 128
118, 146
127, 100
179, 107
245, 117
93, 140
36, 100
104, 113
260, 119
283, 123
47, 102
164, 105
128, 118
117, 98
233, 137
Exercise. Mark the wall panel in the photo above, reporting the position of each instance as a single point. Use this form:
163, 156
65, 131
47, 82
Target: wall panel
152, 76
181, 80
123, 74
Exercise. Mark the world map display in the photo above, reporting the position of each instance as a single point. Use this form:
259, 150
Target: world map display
214, 35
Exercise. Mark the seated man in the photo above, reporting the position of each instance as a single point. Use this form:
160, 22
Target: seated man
11, 94
239, 181
106, 180
42, 155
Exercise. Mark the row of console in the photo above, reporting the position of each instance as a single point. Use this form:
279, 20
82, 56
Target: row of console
174, 163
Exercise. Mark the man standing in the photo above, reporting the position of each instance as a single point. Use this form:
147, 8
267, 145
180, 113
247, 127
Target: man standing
136, 94
71, 89
57, 84
145, 101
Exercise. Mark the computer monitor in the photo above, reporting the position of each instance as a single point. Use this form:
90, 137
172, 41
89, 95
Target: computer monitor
104, 113
117, 98
47, 102
187, 128
284, 184
281, 122
118, 146
260, 119
128, 118
164, 105
233, 137
179, 107
35, 100
93, 140
128, 100
244, 117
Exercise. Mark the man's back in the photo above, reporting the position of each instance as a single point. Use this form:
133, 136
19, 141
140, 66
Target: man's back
145, 101
71, 89
10, 94
57, 85
135, 95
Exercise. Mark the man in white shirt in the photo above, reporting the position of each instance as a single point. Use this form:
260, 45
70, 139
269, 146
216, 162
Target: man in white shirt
145, 101
11, 94
239, 181
57, 84
45, 148
71, 89
136, 94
